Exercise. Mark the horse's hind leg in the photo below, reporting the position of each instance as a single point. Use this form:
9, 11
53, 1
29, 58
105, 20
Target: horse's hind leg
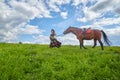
101, 44
95, 43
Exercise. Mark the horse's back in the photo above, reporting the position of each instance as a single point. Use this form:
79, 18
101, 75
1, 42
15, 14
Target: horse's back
97, 33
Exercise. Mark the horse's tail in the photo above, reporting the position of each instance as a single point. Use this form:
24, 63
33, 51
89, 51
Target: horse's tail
106, 40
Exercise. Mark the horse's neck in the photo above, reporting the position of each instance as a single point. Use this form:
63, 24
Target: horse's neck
76, 31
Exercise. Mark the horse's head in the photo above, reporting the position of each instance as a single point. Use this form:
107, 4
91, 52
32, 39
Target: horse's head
67, 30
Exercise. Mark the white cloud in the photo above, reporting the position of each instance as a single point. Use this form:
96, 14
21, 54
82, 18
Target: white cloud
68, 39
31, 11
12, 23
60, 2
55, 5
84, 2
114, 32
106, 5
24, 9
87, 14
66, 23
90, 15
12, 32
113, 35
14, 17
107, 21
117, 10
71, 39
64, 15
98, 10
102, 4
77, 2
27, 42
82, 19
29, 29
103, 23
41, 39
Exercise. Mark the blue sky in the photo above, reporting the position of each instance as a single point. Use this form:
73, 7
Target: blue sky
30, 21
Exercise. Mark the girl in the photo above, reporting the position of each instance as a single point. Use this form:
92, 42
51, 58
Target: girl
53, 41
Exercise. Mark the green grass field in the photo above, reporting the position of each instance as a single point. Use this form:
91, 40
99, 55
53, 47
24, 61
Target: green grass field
39, 62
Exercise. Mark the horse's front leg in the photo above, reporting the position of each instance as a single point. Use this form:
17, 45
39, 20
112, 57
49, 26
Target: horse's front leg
83, 45
80, 44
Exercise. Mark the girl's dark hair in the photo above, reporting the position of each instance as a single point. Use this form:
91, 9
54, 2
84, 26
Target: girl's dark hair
53, 30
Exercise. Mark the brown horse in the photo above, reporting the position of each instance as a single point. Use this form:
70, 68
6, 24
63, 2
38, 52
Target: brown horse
94, 34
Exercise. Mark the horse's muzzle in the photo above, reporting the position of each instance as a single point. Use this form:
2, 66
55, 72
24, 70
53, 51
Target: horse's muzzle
64, 33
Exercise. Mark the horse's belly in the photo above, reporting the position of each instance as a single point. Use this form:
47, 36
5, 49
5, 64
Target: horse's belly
89, 36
